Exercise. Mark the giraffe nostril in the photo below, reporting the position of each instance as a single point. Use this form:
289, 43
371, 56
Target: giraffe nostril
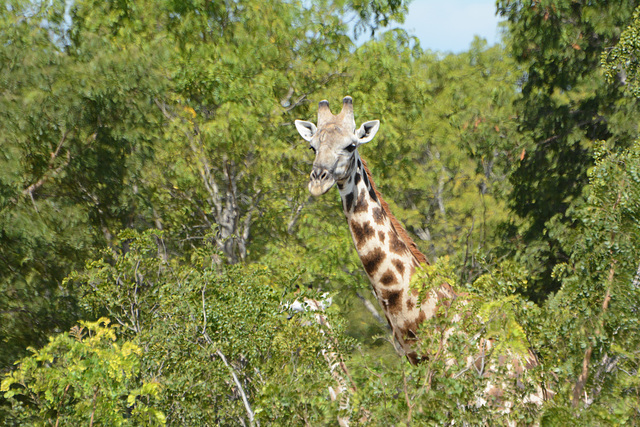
318, 174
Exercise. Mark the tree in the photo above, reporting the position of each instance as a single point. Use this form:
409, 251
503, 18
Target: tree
441, 157
218, 339
146, 115
565, 106
84, 376
589, 329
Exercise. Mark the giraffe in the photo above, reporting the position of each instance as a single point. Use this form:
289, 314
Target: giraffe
389, 256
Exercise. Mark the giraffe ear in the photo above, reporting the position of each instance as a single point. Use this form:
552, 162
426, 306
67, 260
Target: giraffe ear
306, 129
367, 131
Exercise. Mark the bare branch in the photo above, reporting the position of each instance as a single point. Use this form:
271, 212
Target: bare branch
206, 336
247, 406
296, 216
584, 375
372, 309
46, 176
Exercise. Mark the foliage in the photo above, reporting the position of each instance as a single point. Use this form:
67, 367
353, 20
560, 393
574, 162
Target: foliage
596, 356
621, 62
84, 376
148, 115
41, 239
148, 157
565, 105
201, 325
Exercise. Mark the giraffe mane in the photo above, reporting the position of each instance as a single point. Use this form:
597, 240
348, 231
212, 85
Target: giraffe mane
394, 222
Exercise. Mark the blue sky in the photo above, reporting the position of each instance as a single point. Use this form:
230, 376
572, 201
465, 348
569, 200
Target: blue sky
450, 25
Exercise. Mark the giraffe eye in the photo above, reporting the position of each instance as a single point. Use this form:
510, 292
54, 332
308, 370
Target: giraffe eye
350, 148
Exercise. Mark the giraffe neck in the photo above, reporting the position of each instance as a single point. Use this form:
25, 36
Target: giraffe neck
387, 253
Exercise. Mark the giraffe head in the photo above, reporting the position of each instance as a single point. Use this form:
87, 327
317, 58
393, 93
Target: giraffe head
334, 142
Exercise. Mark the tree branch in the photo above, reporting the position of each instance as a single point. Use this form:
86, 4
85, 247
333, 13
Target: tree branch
206, 336
33, 187
582, 378
372, 309
247, 406
296, 216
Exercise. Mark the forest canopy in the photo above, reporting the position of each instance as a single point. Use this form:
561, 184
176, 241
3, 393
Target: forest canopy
160, 254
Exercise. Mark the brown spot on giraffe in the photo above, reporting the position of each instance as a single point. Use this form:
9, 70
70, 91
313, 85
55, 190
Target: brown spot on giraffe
410, 304
378, 215
381, 236
361, 233
388, 278
411, 325
408, 336
352, 163
348, 201
372, 260
398, 265
396, 244
392, 300
372, 194
361, 203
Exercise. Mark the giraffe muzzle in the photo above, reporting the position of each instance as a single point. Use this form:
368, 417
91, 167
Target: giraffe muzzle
321, 181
